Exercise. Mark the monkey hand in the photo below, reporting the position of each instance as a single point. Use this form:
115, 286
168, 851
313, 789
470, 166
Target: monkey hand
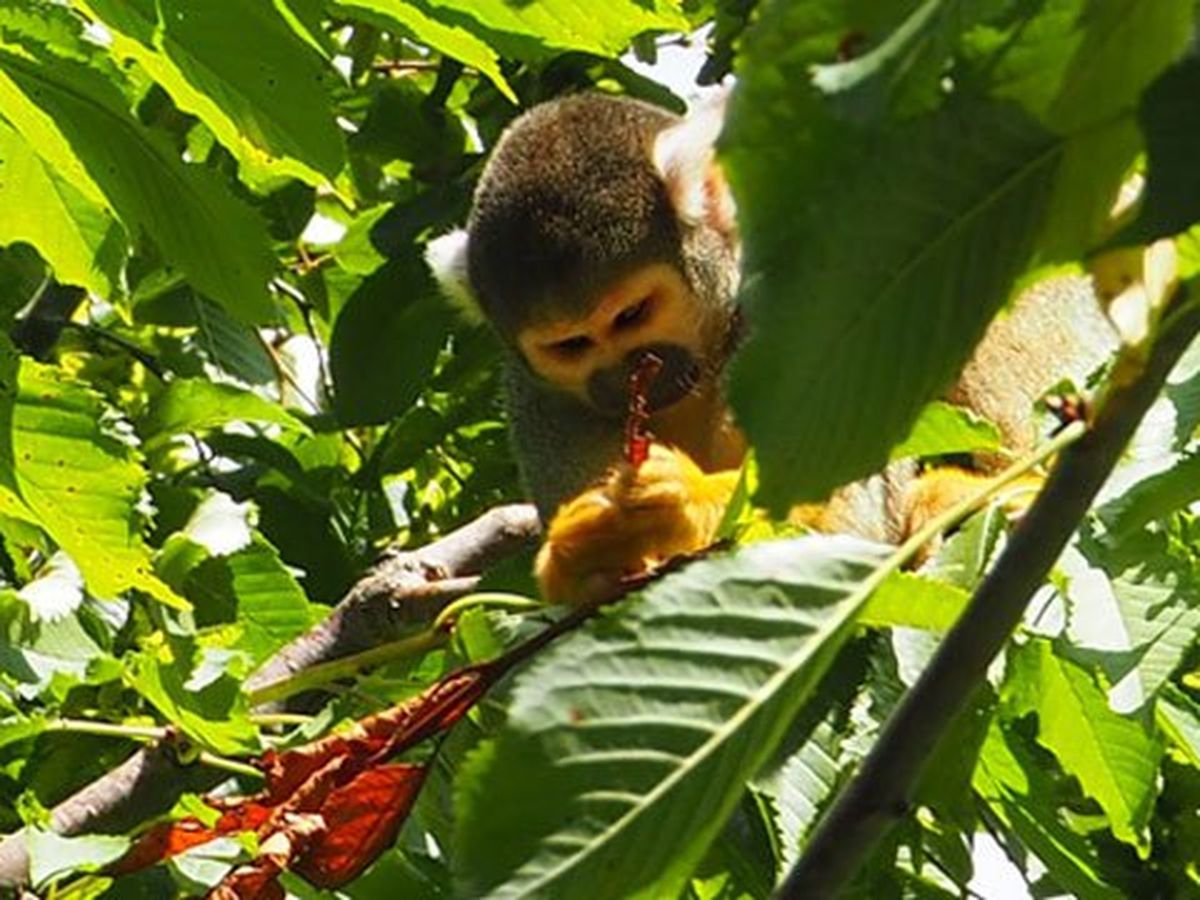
635, 520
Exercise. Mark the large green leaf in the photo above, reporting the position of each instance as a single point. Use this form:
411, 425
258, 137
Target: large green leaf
629, 742
534, 29
76, 235
83, 483
880, 241
244, 71
1079, 67
1170, 118
80, 125
385, 342
478, 33
861, 312
1115, 757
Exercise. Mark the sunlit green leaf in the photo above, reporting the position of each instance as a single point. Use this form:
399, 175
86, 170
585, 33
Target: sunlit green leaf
83, 483
242, 69
636, 732
215, 715
944, 429
913, 601
1021, 794
77, 236
81, 127
1115, 757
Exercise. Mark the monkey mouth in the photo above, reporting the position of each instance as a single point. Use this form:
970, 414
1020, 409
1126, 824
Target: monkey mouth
666, 392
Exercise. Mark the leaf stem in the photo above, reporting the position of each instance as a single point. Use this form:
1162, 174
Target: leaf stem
108, 729
147, 733
348, 666
494, 599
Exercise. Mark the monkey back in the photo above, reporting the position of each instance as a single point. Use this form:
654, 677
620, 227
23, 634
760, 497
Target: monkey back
568, 203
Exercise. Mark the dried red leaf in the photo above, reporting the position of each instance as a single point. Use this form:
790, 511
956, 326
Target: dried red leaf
637, 438
257, 881
341, 777
331, 807
362, 819
167, 839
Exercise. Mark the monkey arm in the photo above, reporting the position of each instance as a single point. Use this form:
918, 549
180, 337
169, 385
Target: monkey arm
561, 447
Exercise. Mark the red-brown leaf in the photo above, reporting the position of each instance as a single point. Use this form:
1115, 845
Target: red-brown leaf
362, 820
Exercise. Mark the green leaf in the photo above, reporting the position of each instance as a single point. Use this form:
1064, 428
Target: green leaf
533, 30
52, 855
1179, 717
843, 353
863, 311
1133, 613
81, 127
943, 428
1168, 115
636, 733
214, 715
1020, 793
243, 71
385, 342
44, 654
1153, 498
252, 590
913, 601
77, 236
1079, 67
192, 406
423, 26
1115, 757
82, 483
14, 729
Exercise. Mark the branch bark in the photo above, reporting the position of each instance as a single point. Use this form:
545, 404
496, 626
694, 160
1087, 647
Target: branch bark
403, 588
881, 791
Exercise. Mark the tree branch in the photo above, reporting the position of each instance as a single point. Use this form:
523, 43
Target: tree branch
881, 791
403, 588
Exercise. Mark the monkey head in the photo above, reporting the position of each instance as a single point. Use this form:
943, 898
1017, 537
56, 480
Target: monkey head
601, 229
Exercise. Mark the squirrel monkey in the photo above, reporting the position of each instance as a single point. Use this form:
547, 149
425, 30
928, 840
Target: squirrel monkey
602, 229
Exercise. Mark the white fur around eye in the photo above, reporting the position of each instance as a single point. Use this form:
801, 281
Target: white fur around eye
447, 259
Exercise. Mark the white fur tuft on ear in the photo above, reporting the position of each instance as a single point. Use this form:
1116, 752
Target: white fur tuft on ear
683, 156
447, 259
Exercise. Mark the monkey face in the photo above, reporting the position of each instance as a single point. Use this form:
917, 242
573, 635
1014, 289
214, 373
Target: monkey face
591, 356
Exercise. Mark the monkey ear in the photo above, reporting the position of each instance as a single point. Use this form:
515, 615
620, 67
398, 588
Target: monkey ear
683, 155
447, 259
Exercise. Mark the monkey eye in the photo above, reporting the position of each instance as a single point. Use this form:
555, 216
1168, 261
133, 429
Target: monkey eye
631, 314
571, 347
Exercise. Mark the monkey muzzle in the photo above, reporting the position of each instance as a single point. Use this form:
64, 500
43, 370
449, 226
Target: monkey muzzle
608, 389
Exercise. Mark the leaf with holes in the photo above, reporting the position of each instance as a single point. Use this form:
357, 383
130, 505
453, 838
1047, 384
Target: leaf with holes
82, 482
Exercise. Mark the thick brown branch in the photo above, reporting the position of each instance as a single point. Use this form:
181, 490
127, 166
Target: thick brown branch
881, 791
404, 587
